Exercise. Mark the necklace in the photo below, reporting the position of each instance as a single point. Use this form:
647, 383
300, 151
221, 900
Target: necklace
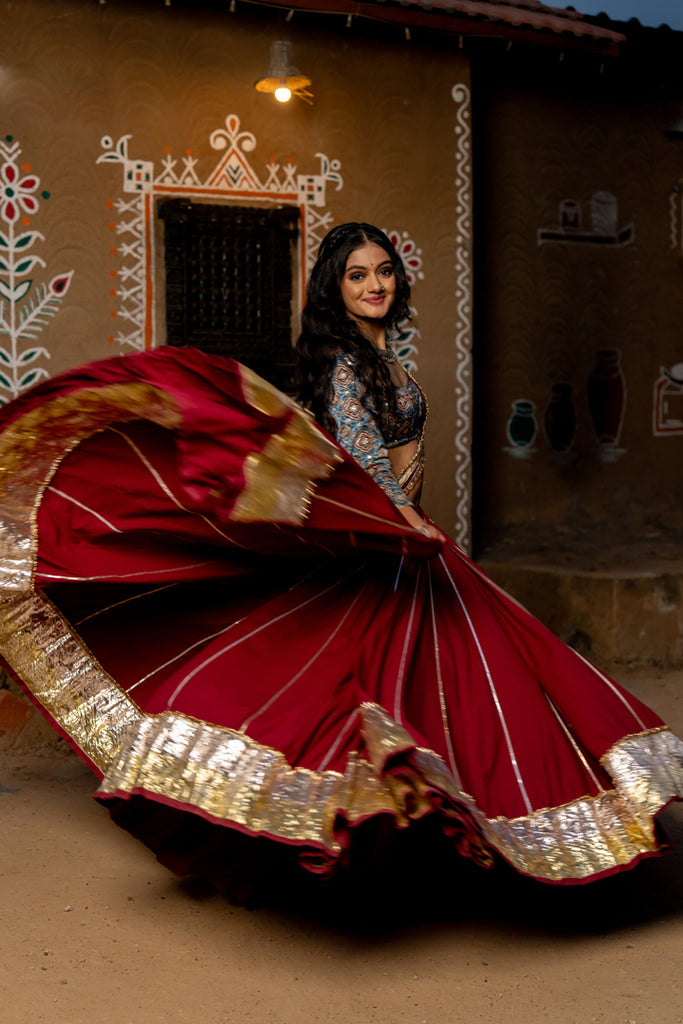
387, 354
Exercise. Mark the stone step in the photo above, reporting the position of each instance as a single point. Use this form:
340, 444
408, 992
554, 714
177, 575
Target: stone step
623, 615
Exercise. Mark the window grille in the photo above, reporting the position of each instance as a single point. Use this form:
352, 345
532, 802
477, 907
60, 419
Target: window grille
229, 283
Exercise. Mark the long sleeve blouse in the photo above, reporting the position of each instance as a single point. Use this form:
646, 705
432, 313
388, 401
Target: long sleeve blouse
357, 428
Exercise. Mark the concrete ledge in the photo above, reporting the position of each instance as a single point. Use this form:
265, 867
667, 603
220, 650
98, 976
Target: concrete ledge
610, 616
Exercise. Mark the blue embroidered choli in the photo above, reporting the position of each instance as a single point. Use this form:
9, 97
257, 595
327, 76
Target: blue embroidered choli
357, 428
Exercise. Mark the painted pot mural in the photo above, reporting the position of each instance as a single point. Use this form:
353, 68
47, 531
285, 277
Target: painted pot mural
606, 391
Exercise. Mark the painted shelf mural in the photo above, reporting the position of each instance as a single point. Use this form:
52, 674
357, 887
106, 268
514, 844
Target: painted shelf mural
604, 227
25, 308
603, 230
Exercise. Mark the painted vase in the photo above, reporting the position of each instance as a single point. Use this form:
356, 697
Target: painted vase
606, 390
560, 417
522, 427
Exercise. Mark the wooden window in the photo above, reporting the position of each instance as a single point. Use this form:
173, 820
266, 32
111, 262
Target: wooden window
229, 283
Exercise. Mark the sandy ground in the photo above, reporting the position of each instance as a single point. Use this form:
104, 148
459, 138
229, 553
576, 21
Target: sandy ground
93, 930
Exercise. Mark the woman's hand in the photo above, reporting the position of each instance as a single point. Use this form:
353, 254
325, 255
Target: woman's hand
414, 519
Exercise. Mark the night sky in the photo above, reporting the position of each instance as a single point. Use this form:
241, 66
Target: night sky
648, 12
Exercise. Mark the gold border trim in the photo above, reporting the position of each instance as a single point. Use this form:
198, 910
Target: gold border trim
32, 447
279, 480
233, 779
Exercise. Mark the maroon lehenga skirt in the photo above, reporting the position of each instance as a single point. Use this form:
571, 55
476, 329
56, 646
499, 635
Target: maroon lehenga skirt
225, 616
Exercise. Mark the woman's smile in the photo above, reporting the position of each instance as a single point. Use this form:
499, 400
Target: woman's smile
368, 287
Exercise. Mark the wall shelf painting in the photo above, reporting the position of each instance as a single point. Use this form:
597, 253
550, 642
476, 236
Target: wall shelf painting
667, 412
25, 307
604, 231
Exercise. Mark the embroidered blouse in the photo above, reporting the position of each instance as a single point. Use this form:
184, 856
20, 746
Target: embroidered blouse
357, 428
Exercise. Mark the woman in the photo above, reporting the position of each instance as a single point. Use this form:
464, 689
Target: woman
351, 378
242, 633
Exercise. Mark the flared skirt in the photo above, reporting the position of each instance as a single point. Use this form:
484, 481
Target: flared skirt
225, 616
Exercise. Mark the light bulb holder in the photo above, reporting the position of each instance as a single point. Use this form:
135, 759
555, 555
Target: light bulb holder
282, 73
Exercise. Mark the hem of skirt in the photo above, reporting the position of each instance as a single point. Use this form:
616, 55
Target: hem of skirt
53, 722
312, 810
598, 876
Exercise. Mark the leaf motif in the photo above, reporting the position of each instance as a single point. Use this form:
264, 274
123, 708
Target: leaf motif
29, 356
30, 378
5, 357
28, 264
4, 291
26, 240
60, 284
5, 381
21, 289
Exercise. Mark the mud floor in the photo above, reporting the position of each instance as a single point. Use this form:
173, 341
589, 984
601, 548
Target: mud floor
94, 931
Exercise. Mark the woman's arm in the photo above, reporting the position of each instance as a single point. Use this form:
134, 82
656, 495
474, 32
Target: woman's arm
357, 431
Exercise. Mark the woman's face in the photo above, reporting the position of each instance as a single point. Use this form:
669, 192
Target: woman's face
368, 287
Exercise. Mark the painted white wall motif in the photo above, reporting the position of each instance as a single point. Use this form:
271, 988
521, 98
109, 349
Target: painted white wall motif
463, 329
233, 179
25, 309
411, 256
667, 407
603, 229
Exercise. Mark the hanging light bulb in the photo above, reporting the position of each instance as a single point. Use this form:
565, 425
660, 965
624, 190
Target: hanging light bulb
282, 78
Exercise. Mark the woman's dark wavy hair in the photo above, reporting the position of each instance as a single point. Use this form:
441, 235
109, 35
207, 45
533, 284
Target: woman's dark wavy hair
326, 328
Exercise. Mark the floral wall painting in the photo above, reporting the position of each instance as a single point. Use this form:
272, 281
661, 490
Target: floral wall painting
599, 228
25, 307
667, 412
411, 257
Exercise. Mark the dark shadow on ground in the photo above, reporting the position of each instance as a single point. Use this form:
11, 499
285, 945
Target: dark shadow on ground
412, 878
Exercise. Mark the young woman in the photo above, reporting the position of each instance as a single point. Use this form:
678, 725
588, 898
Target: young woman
351, 378
248, 627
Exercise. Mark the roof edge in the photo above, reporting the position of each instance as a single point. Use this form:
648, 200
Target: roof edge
576, 33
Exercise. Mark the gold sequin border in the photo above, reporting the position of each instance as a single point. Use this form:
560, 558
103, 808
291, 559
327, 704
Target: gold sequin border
230, 777
32, 447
